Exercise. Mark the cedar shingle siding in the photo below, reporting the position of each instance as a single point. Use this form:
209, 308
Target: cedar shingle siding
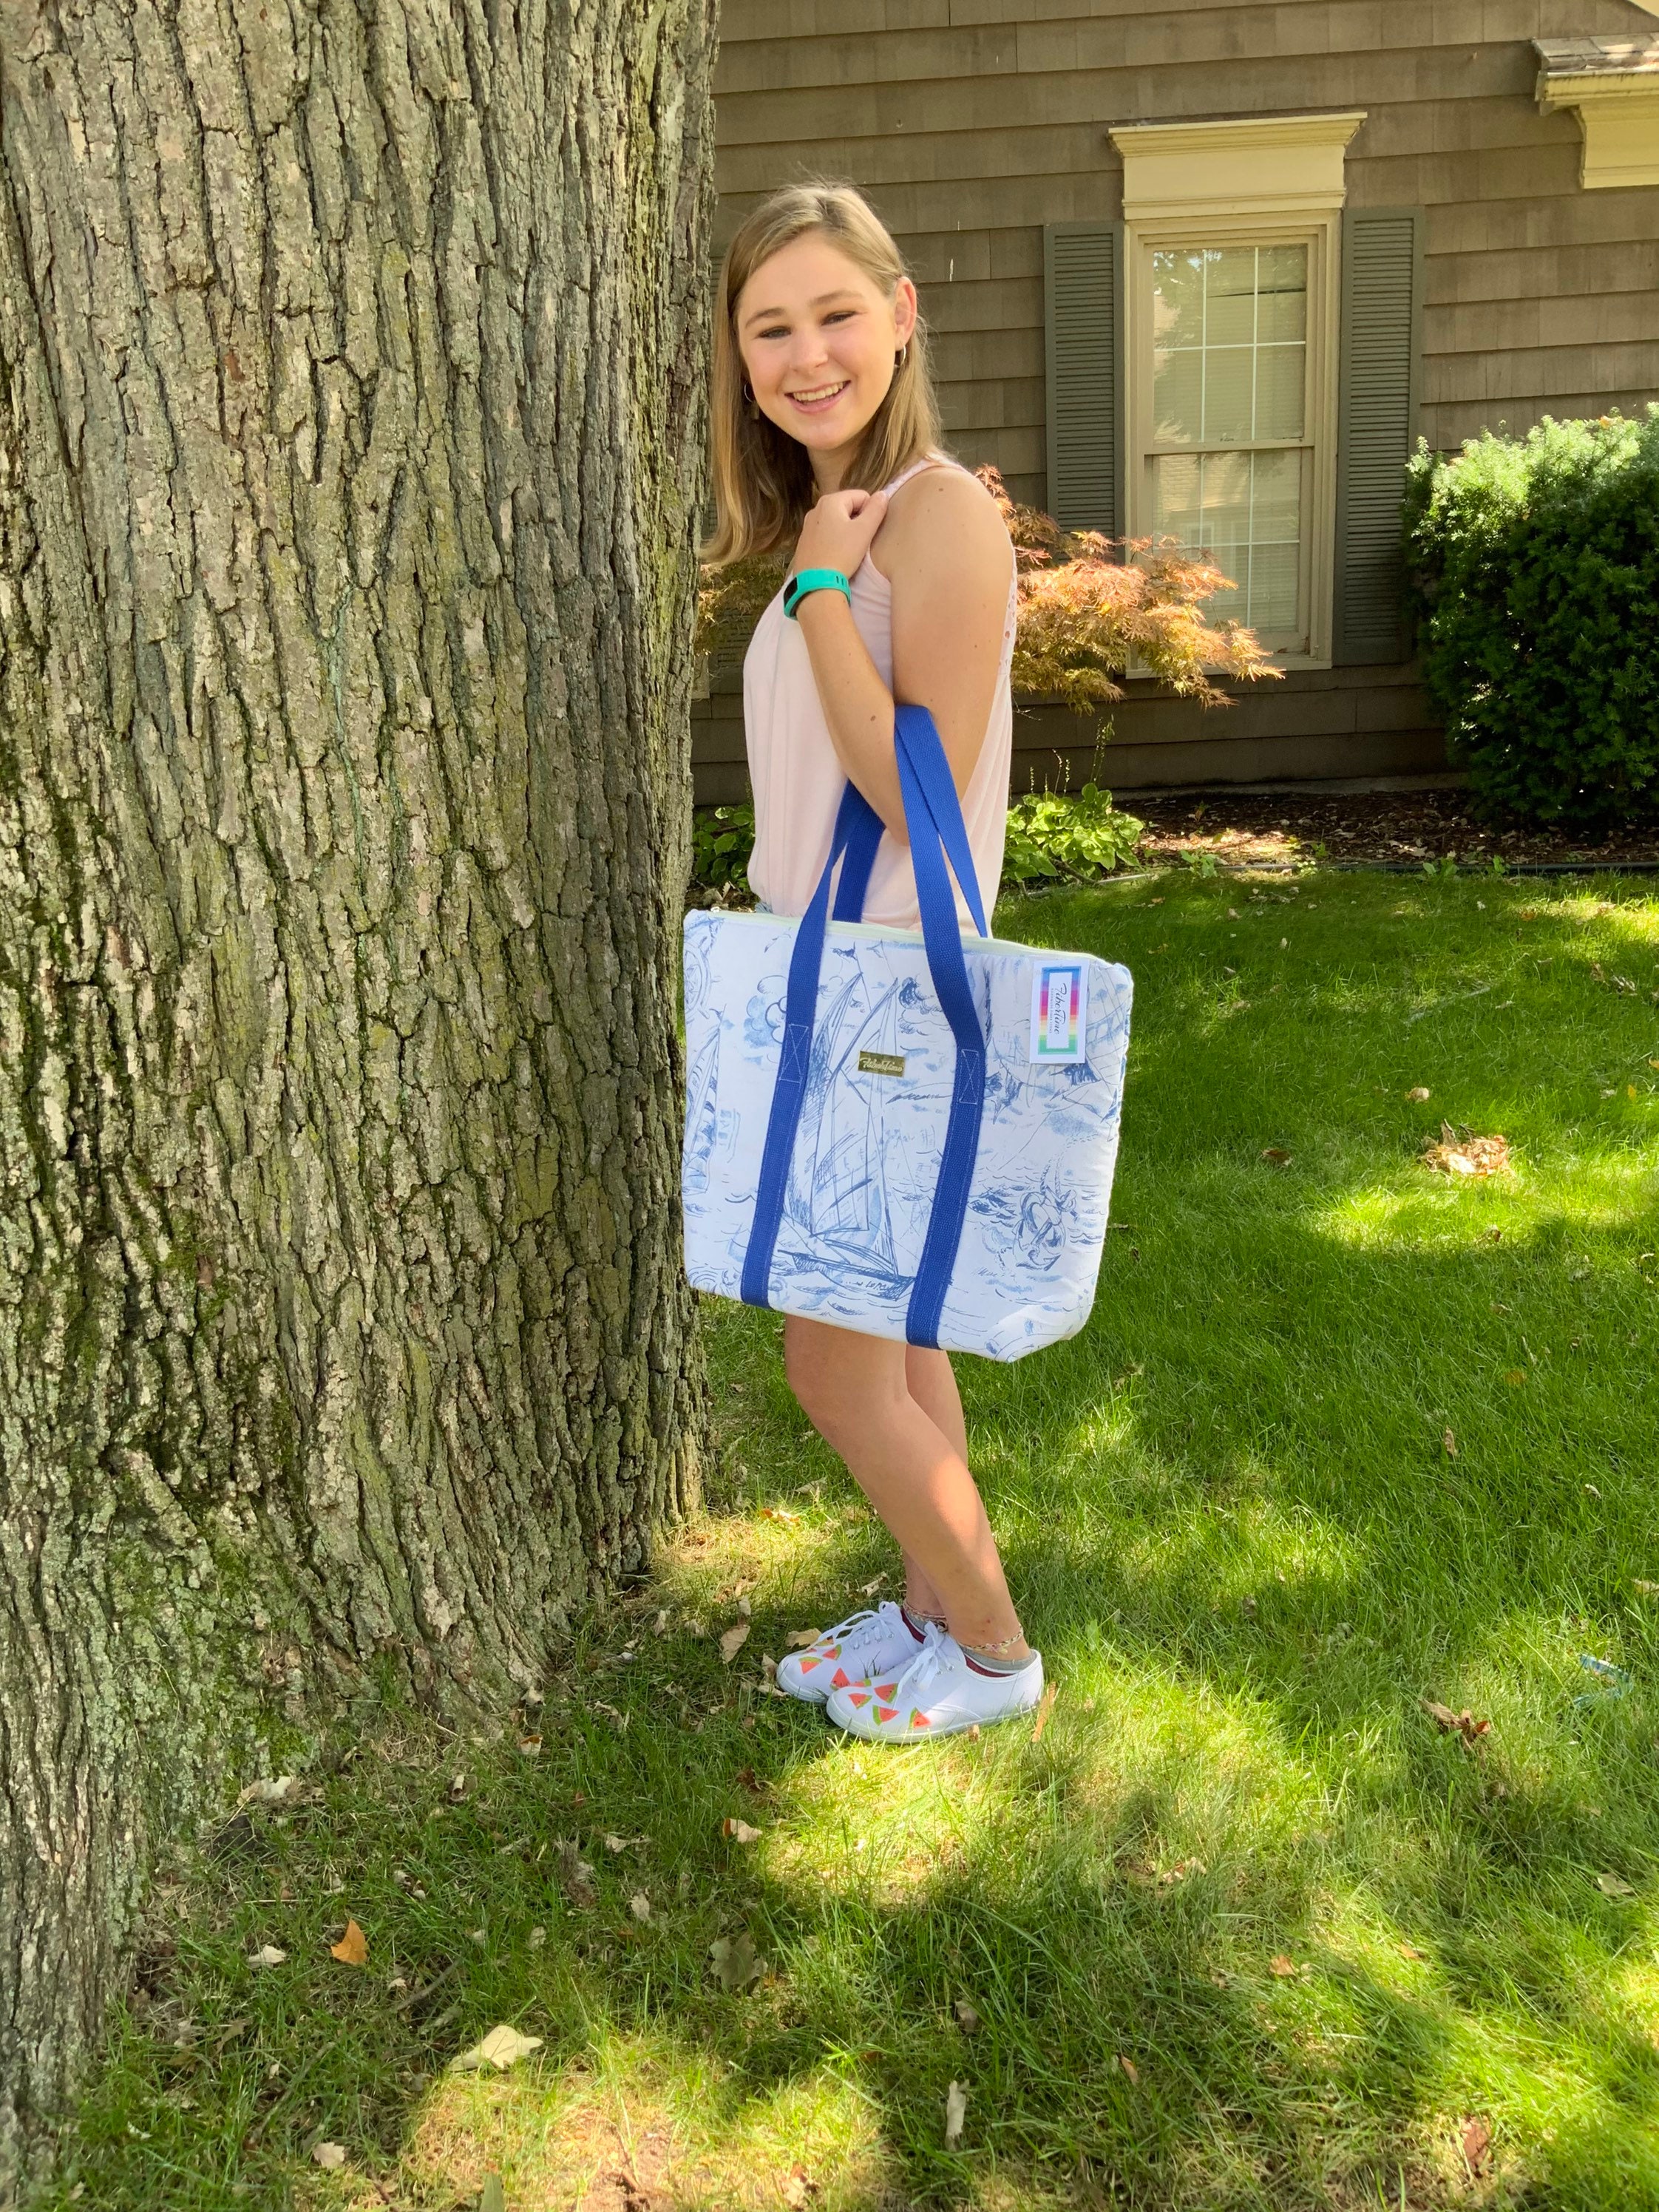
972, 124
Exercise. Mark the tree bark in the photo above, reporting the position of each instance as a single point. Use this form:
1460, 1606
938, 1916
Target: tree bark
352, 393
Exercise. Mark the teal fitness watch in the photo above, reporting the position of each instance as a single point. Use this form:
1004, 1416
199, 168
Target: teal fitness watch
814, 580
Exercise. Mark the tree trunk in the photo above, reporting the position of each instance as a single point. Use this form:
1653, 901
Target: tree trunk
352, 375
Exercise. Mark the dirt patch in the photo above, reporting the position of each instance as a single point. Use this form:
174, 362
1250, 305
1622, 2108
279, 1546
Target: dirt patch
1403, 829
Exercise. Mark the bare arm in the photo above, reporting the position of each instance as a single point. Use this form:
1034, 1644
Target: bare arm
947, 554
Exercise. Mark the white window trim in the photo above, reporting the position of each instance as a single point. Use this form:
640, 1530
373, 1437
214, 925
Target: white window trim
1267, 180
1618, 117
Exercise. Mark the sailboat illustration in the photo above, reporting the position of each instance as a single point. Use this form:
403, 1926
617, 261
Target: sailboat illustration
837, 1195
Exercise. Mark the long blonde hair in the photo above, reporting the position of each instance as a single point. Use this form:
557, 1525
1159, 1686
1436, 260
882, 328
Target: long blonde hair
762, 478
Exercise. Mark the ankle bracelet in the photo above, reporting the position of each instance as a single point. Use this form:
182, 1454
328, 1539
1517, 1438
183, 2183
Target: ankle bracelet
1002, 1650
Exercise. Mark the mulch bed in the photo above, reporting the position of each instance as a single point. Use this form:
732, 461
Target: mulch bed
1394, 828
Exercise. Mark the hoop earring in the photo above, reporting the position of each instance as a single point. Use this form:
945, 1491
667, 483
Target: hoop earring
749, 408
899, 357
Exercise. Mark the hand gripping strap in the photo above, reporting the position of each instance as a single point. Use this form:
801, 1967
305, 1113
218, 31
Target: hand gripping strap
932, 816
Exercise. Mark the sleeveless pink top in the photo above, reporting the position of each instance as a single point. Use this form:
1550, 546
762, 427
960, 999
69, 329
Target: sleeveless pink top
797, 779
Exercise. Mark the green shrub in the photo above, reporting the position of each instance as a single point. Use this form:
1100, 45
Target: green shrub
1050, 834
722, 838
1054, 833
1533, 572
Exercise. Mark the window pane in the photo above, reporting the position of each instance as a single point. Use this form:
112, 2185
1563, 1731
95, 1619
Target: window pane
1230, 296
1226, 517
1280, 372
1276, 507
1281, 294
1229, 378
1178, 396
1178, 298
1177, 498
1271, 596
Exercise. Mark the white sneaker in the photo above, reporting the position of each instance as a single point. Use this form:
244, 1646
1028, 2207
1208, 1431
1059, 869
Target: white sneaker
939, 1694
873, 1642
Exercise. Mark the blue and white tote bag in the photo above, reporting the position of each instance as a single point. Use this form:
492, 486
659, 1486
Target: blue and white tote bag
905, 1133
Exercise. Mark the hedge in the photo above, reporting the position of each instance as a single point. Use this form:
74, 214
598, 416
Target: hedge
1533, 570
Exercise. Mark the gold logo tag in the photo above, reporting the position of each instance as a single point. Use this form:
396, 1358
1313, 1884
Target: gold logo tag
881, 1063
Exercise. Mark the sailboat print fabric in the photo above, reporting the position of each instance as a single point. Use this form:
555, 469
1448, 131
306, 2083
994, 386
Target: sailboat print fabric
877, 1098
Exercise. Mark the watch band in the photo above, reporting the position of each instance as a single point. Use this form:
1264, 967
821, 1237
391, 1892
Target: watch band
814, 580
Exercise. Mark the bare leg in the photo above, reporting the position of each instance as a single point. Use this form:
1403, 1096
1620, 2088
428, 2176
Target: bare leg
933, 1384
856, 1391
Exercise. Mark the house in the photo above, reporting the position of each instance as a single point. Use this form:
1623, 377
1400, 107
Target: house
1210, 269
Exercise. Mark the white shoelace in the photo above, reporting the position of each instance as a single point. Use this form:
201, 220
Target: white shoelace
925, 1664
844, 1629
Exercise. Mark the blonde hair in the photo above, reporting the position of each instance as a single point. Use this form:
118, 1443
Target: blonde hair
762, 477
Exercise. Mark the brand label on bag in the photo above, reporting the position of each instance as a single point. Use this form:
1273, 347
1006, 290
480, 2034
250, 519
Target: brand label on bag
1059, 1010
881, 1063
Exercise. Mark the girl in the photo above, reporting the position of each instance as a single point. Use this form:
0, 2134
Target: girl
825, 436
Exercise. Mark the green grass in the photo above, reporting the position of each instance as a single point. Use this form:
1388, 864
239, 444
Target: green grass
1326, 1936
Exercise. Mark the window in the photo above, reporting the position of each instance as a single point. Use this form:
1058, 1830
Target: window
1230, 309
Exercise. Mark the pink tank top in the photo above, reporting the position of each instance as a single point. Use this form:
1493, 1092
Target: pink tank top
797, 779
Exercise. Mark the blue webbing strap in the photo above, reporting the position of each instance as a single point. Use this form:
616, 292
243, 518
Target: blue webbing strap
915, 732
800, 1010
929, 792
932, 816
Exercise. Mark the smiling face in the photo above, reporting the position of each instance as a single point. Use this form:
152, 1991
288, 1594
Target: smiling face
818, 341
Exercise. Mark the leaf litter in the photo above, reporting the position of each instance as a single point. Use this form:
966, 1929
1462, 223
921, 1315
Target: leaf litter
1459, 1153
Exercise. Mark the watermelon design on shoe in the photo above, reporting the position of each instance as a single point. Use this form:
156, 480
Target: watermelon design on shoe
874, 1642
939, 1694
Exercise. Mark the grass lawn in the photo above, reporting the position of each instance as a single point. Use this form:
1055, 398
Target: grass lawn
1246, 1926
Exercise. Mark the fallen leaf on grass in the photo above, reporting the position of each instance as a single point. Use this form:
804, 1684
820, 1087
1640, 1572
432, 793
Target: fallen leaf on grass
739, 1831
1418, 1095
529, 1746
267, 1955
493, 2195
576, 1875
798, 2190
1465, 1723
1045, 1706
1409, 1951
1459, 1152
640, 1905
955, 2111
777, 1513
1276, 1156
352, 1949
1612, 1885
502, 2047
799, 1638
1477, 2144
1180, 1870
1646, 1589
1129, 2067
735, 1963
1285, 1968
1449, 1442
733, 1641
1515, 1376
967, 2018
746, 1778
869, 1590
330, 2155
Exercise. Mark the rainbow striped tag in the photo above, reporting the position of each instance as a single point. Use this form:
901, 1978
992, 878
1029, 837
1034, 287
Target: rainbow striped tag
1059, 1010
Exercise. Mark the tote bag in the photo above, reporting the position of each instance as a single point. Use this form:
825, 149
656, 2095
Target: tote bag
905, 1133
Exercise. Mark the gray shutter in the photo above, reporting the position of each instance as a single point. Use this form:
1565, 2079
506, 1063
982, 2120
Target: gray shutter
1378, 396
1083, 330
